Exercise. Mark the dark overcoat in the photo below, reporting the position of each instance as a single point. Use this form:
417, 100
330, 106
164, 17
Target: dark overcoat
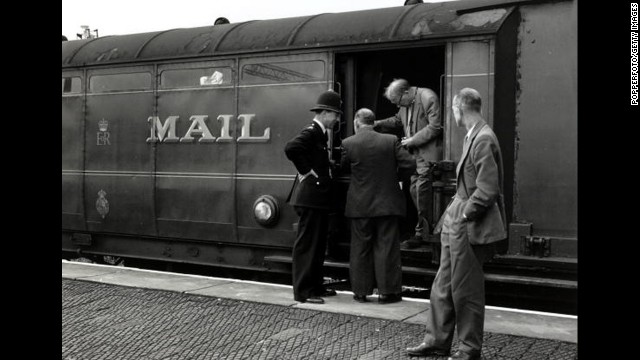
307, 151
374, 160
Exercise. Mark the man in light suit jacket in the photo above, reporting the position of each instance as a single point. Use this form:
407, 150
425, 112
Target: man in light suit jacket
374, 205
473, 222
419, 118
310, 196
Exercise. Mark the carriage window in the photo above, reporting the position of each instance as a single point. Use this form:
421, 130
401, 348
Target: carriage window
181, 78
71, 85
284, 72
120, 82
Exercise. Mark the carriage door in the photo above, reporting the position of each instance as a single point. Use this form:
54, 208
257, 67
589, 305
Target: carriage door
195, 150
118, 163
468, 64
72, 151
275, 95
472, 64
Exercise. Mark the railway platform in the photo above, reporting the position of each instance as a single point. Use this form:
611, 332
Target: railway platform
113, 312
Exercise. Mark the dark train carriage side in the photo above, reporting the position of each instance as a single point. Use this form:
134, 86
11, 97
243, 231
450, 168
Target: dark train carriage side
171, 139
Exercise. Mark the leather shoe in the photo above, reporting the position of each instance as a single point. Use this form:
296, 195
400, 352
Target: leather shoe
424, 350
461, 355
360, 298
389, 298
328, 292
312, 300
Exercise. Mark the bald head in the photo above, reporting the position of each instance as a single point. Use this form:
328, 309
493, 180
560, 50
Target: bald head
365, 116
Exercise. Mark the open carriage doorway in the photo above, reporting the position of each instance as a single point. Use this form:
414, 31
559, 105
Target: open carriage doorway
362, 78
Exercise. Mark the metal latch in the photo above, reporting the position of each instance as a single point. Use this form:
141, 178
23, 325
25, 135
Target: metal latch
536, 246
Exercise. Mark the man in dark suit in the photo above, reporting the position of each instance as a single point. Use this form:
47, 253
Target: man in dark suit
419, 119
374, 205
310, 197
473, 222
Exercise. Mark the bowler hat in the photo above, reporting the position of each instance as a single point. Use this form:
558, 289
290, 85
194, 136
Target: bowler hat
328, 100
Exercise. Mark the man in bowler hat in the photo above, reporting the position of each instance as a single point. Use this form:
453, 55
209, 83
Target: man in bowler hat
310, 197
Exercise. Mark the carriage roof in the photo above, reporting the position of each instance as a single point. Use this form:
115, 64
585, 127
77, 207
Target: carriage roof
402, 23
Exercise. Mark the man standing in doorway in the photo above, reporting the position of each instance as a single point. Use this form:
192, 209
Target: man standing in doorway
419, 117
310, 197
473, 222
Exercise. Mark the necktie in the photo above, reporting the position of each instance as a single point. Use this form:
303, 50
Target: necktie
407, 131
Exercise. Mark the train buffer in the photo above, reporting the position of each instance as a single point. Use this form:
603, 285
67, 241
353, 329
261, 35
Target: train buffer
135, 313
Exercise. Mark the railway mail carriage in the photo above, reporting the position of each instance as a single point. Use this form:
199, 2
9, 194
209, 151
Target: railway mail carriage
173, 141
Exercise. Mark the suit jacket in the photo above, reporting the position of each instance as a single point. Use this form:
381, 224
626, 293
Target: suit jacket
479, 187
425, 126
308, 150
374, 160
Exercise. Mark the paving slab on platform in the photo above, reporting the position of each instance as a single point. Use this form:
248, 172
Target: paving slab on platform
147, 279
522, 323
101, 320
544, 326
270, 294
343, 303
73, 270
411, 311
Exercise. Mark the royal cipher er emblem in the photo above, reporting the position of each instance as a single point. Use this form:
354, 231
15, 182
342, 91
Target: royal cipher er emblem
102, 205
